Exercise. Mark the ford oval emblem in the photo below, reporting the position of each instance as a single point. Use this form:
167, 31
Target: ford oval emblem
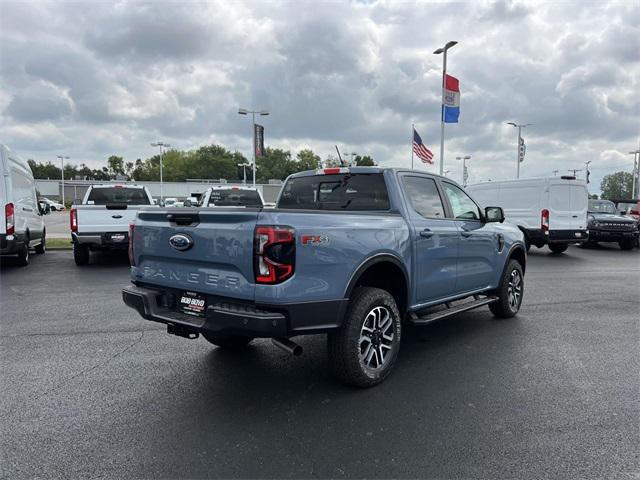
181, 241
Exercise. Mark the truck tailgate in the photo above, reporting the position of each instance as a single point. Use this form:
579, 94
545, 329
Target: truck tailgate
219, 260
106, 219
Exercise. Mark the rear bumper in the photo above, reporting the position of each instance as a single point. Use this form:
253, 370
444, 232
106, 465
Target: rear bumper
11, 244
596, 235
102, 240
226, 316
568, 236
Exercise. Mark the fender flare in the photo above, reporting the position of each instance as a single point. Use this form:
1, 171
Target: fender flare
378, 258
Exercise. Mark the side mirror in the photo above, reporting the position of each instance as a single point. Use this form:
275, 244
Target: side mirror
494, 214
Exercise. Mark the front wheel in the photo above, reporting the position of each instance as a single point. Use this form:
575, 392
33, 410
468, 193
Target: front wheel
558, 247
81, 254
228, 343
363, 351
627, 244
509, 292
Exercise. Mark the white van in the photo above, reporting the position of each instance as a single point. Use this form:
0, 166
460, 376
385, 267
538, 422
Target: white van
21, 223
550, 211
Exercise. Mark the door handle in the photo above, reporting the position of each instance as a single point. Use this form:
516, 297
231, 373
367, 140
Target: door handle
574, 216
25, 209
116, 216
426, 233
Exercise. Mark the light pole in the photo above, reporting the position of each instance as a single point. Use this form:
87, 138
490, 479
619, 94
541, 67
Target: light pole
447, 172
465, 175
519, 127
587, 172
353, 154
574, 170
161, 145
555, 173
636, 158
62, 158
443, 50
244, 171
244, 111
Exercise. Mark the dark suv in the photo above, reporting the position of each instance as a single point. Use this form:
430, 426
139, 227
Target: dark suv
605, 225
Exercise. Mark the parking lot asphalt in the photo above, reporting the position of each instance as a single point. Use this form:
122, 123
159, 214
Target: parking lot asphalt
57, 224
90, 390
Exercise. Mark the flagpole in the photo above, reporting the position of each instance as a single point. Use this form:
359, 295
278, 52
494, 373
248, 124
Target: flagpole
444, 75
412, 136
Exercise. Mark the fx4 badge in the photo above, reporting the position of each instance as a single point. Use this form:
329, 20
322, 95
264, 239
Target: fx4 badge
314, 240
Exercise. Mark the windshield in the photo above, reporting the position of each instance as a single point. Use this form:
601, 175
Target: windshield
129, 196
234, 197
602, 206
336, 192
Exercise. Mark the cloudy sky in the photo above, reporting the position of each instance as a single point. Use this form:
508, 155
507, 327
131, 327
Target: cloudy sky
92, 79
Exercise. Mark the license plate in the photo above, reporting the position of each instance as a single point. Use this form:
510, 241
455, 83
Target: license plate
117, 237
193, 303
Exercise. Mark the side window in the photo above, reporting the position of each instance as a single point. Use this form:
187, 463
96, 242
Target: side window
424, 196
463, 207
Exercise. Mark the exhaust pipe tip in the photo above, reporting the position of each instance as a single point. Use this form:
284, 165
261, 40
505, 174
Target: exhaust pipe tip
288, 346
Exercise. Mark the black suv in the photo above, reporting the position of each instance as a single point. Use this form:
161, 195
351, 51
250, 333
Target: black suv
605, 225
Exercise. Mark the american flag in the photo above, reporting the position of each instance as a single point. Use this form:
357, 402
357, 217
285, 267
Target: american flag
420, 150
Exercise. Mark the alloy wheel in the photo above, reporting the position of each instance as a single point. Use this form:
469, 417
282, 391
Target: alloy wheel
376, 338
514, 290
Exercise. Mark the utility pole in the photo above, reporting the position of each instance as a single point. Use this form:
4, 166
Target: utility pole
521, 147
161, 145
636, 166
465, 174
443, 50
587, 172
62, 159
244, 111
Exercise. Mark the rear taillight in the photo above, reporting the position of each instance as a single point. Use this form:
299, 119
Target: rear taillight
544, 220
274, 254
9, 218
73, 219
132, 260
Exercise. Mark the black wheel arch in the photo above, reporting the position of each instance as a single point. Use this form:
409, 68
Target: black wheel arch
369, 274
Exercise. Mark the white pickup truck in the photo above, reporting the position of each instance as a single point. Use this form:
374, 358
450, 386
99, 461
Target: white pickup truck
102, 221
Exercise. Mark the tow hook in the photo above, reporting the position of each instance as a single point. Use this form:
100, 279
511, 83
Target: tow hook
181, 331
288, 346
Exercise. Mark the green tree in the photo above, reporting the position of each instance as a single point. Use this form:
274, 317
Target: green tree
276, 164
616, 185
364, 161
116, 165
307, 160
331, 161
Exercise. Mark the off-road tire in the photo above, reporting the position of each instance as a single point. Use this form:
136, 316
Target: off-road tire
81, 254
344, 345
41, 248
558, 247
23, 255
228, 343
627, 244
504, 307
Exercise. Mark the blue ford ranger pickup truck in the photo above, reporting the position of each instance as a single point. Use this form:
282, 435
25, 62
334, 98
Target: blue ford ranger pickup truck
354, 253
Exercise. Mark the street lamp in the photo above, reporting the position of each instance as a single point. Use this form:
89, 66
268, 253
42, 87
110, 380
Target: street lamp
465, 174
443, 50
62, 158
244, 111
244, 171
519, 127
636, 161
161, 145
447, 172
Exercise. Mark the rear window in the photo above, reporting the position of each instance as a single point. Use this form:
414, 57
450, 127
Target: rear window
129, 196
230, 197
351, 192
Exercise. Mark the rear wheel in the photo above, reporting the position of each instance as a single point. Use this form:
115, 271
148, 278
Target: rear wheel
23, 255
510, 292
558, 247
42, 247
363, 351
627, 244
228, 343
81, 254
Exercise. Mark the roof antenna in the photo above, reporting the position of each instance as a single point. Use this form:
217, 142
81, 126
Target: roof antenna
340, 157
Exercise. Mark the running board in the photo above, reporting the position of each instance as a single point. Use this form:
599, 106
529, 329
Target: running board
451, 310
